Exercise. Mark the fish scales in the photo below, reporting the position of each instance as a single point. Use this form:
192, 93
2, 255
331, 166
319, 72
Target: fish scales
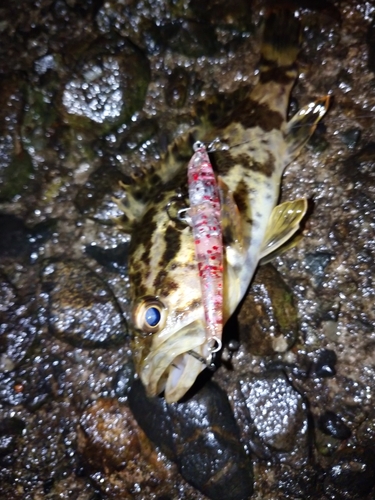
254, 143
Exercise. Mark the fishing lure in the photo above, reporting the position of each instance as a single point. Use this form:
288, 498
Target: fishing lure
204, 217
177, 315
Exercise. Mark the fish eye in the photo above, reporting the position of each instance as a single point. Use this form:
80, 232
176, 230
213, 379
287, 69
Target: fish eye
150, 315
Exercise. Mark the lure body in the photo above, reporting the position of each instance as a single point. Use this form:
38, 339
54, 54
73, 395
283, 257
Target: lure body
204, 215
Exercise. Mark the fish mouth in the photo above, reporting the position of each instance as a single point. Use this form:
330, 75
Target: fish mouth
174, 365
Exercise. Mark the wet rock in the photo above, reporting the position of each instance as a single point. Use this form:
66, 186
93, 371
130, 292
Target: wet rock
339, 232
359, 166
10, 431
366, 432
37, 381
18, 329
44, 27
234, 15
276, 410
15, 163
301, 483
326, 445
8, 293
177, 88
332, 425
40, 233
80, 307
18, 324
114, 259
44, 47
108, 87
329, 330
44, 142
201, 436
316, 264
112, 438
111, 442
318, 142
325, 363
14, 241
10, 389
191, 38
11, 106
370, 39
351, 137
268, 320
135, 136
344, 81
352, 476
41, 453
18, 240
123, 380
16, 175
95, 196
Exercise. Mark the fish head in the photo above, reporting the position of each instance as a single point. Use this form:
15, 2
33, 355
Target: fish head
170, 347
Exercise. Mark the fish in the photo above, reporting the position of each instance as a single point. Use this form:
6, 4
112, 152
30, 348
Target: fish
204, 216
254, 141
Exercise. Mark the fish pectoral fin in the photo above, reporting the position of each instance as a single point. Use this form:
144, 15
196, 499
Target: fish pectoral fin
301, 127
283, 223
231, 224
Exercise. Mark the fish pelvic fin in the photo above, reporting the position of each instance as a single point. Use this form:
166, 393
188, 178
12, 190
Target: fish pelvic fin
301, 127
284, 222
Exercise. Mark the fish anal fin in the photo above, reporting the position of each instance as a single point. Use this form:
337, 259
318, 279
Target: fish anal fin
284, 222
301, 127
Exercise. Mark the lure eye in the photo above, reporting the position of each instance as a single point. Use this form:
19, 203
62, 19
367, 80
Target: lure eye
150, 315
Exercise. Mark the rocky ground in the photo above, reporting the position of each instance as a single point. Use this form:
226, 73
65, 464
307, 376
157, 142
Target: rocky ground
92, 91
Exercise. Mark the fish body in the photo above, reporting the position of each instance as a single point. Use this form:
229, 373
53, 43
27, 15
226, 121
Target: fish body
205, 219
258, 142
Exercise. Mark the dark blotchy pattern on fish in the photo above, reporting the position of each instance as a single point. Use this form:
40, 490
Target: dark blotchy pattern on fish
173, 245
224, 161
253, 114
241, 196
164, 285
267, 167
284, 77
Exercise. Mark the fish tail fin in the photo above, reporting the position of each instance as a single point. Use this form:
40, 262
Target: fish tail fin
280, 44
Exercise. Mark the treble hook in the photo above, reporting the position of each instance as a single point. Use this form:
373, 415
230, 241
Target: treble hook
207, 362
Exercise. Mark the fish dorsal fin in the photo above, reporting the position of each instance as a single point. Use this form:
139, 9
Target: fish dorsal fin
283, 223
231, 225
130, 207
301, 127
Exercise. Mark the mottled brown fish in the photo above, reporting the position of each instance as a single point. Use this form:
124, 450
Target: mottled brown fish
255, 143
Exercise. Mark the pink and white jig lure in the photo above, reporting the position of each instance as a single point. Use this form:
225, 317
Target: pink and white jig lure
204, 215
